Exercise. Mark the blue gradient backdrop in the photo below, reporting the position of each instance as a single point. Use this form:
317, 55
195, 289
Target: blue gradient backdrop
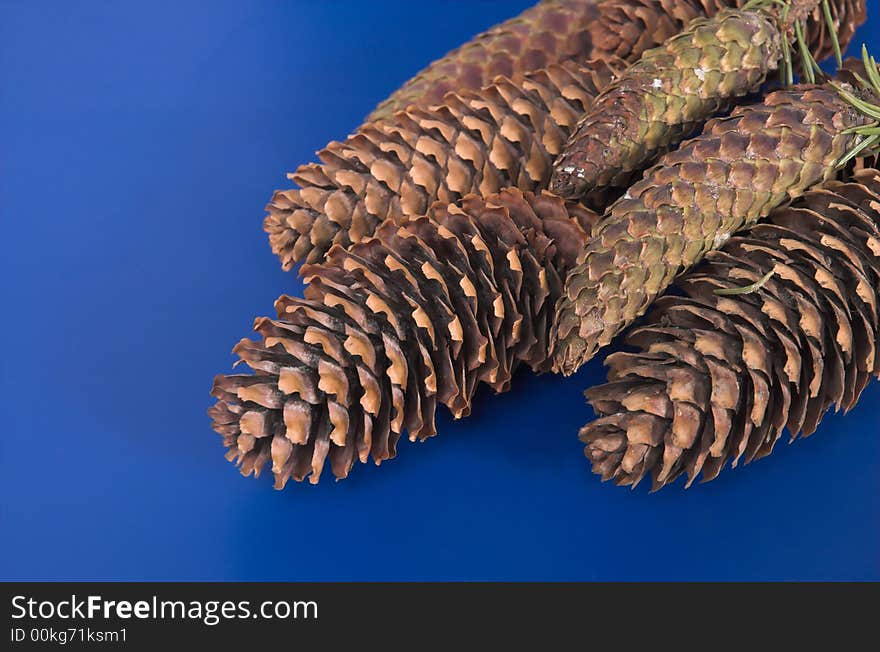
139, 143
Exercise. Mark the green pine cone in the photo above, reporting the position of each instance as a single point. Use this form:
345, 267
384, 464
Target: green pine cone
739, 169
665, 96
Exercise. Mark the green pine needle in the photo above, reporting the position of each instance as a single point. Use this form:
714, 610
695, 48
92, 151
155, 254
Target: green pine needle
868, 109
787, 68
787, 73
748, 289
870, 141
862, 129
755, 5
808, 63
871, 69
832, 32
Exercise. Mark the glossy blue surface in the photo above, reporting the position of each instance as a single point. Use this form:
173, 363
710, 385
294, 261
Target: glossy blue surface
139, 143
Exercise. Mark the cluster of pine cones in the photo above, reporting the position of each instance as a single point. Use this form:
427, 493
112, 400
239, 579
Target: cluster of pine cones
588, 170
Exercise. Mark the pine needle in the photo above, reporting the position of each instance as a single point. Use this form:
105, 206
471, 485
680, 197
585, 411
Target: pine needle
787, 68
832, 32
871, 69
870, 141
808, 63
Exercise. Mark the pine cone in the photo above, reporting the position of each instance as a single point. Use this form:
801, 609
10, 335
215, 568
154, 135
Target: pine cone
669, 92
550, 32
715, 379
477, 142
739, 169
414, 316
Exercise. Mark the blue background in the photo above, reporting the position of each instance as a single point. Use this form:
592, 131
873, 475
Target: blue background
138, 145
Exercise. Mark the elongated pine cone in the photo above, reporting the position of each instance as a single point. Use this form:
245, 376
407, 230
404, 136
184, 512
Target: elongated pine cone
715, 379
667, 94
417, 315
550, 32
734, 173
506, 134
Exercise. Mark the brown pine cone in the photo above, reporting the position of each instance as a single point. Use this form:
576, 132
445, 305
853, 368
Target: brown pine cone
716, 378
414, 316
551, 32
693, 200
506, 134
